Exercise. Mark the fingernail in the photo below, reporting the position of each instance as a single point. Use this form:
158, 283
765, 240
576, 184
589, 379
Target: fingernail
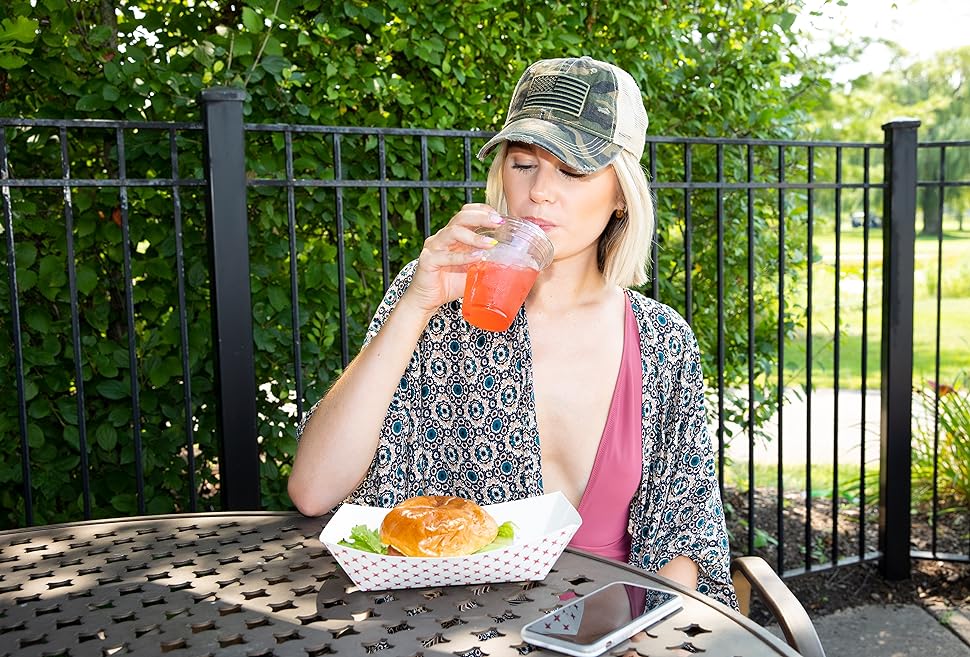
477, 253
490, 241
496, 217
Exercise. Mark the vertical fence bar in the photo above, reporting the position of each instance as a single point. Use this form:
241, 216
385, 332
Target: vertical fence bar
749, 152
183, 324
654, 244
294, 273
864, 349
82, 429
467, 155
338, 191
936, 359
231, 302
130, 319
898, 260
808, 359
688, 237
18, 351
864, 355
425, 194
836, 354
385, 247
781, 358
719, 213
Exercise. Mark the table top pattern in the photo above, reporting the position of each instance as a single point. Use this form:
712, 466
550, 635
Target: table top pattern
261, 584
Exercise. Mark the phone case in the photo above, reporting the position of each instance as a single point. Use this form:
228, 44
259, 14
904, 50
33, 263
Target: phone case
553, 629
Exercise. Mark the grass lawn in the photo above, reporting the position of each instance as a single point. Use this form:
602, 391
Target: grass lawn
794, 478
954, 323
954, 338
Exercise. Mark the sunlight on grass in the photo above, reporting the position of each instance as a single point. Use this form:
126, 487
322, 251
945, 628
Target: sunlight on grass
794, 478
954, 327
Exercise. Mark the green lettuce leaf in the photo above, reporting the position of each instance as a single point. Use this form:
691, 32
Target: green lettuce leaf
505, 537
365, 539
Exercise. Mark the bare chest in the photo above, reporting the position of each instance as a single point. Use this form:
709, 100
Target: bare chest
575, 375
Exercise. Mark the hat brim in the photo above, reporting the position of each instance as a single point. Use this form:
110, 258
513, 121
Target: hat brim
578, 149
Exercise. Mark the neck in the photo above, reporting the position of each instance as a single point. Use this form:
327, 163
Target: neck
569, 284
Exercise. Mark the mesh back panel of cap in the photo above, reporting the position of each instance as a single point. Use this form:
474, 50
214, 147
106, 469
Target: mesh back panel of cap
631, 124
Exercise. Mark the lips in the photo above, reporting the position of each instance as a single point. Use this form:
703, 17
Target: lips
541, 223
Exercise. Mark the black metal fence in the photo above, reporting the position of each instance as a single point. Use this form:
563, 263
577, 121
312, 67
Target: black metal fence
149, 339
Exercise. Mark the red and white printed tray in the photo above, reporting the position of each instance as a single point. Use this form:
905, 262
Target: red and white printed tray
544, 526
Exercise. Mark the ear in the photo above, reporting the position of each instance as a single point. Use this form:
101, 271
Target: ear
620, 202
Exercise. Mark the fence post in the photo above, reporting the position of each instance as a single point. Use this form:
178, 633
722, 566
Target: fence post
231, 303
896, 400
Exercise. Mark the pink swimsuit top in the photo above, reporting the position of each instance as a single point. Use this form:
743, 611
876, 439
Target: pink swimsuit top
617, 468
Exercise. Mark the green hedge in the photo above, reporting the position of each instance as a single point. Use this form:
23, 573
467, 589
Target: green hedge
706, 68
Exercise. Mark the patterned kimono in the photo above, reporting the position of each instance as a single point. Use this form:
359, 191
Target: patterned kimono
463, 422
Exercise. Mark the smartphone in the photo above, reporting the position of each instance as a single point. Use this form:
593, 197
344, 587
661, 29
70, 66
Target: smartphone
594, 623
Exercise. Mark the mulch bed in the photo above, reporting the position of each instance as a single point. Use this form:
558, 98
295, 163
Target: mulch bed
826, 591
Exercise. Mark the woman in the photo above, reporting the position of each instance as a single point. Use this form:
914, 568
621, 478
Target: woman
609, 379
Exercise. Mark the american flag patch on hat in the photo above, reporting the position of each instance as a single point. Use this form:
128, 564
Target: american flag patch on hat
559, 92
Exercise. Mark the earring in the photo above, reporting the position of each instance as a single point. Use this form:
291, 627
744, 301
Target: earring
620, 211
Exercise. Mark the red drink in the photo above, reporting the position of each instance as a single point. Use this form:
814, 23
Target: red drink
494, 292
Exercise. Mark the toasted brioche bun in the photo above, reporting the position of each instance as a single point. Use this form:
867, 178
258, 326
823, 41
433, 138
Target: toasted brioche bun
438, 526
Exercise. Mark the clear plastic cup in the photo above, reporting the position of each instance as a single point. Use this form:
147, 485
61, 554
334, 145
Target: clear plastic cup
496, 285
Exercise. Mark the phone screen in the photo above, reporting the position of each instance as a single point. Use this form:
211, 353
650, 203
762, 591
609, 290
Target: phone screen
587, 620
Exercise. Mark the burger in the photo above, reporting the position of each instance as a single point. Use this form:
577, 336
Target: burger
437, 526
433, 526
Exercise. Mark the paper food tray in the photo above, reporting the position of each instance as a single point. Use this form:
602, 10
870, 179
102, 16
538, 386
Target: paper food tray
543, 527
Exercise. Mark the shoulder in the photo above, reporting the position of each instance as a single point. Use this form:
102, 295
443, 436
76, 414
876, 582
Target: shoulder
657, 318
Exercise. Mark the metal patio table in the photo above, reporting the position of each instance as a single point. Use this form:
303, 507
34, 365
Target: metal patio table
261, 583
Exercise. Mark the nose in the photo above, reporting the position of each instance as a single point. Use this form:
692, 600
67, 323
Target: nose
543, 184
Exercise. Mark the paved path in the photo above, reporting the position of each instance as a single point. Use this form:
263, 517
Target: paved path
796, 428
894, 631
932, 630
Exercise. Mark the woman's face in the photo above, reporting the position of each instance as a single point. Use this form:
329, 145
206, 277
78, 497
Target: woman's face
572, 207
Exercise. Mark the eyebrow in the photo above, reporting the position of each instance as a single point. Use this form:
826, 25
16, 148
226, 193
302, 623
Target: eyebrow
521, 145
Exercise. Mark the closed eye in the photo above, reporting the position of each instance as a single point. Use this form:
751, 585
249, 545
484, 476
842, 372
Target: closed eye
572, 174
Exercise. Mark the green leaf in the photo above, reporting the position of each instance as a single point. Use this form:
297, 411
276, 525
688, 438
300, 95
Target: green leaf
87, 279
364, 539
26, 255
252, 20
505, 538
125, 503
278, 298
242, 44
106, 436
35, 436
26, 280
113, 389
99, 35
274, 63
72, 437
21, 29
89, 103
119, 416
10, 61
37, 319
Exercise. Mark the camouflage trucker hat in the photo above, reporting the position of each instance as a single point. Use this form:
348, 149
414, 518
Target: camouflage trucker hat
581, 110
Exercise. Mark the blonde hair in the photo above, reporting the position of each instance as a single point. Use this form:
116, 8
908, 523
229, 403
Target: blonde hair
623, 255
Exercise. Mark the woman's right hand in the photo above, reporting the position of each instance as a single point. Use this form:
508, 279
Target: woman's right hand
444, 260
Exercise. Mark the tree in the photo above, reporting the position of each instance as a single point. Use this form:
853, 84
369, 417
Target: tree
706, 67
936, 91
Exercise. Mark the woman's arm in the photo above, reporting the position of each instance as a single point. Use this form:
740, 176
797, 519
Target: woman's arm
682, 570
343, 432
